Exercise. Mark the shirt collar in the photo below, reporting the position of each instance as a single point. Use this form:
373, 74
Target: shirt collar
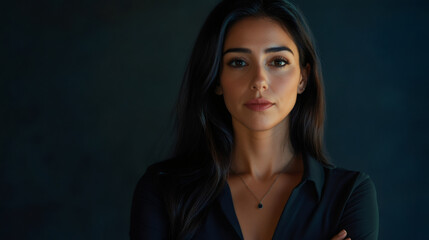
314, 171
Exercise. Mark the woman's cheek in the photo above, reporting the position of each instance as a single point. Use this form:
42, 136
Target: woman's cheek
289, 79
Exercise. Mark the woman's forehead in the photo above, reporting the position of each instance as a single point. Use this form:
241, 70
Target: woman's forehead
256, 32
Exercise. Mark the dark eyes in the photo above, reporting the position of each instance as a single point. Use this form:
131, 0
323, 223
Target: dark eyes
278, 62
236, 63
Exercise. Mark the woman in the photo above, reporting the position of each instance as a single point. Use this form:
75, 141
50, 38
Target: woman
249, 161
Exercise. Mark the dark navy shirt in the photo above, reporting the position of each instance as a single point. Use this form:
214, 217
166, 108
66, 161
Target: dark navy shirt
327, 200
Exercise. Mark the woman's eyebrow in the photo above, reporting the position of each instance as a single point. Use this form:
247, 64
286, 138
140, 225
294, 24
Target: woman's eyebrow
278, 49
268, 50
242, 50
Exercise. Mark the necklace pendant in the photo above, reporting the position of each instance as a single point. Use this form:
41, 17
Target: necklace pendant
260, 205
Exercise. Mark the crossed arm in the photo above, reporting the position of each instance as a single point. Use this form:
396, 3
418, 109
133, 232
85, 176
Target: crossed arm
360, 219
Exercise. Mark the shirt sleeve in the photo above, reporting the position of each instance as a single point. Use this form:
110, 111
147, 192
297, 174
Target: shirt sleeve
360, 217
148, 217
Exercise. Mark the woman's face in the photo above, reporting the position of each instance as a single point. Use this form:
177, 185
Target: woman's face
261, 75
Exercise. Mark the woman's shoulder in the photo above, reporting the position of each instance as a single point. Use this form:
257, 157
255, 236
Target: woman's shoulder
351, 185
166, 173
348, 173
149, 219
351, 177
331, 176
155, 172
355, 197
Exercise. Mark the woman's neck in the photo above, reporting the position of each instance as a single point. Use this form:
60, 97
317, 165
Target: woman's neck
262, 154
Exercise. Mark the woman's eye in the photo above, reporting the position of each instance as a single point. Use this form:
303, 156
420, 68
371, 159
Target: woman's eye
237, 63
278, 62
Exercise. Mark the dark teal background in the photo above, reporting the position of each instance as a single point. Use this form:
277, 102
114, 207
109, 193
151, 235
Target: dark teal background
87, 89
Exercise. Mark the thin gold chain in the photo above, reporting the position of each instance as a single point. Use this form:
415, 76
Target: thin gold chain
254, 195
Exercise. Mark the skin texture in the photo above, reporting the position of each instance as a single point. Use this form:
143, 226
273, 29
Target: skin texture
261, 61
341, 235
261, 140
275, 76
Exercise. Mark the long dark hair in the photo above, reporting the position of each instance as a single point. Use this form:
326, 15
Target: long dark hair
198, 171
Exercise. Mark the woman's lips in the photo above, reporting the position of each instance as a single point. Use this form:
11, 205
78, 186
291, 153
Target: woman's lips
258, 104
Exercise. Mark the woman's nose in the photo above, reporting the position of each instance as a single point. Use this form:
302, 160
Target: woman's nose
259, 82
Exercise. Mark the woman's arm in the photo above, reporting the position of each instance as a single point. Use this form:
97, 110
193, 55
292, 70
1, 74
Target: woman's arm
360, 217
148, 217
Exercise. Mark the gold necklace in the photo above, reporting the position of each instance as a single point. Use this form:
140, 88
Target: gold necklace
254, 195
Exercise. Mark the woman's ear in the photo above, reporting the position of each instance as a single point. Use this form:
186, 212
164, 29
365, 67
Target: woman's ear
305, 72
218, 90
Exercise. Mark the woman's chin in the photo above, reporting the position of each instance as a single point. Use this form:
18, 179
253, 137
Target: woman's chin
258, 126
